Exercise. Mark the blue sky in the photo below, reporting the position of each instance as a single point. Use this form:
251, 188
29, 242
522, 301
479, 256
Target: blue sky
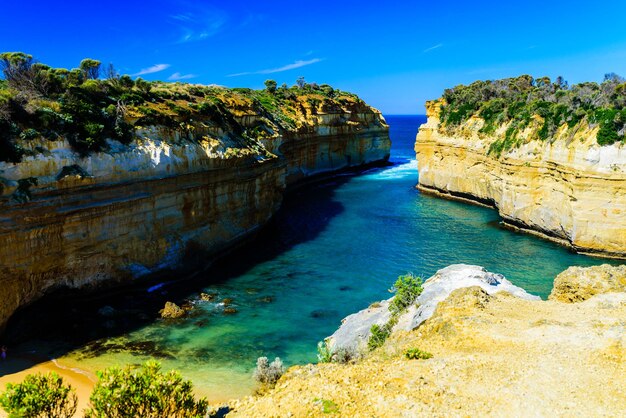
394, 54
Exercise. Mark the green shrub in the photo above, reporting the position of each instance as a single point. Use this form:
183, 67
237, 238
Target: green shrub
417, 354
328, 406
143, 391
407, 289
517, 100
29, 133
270, 86
324, 353
342, 355
44, 396
378, 336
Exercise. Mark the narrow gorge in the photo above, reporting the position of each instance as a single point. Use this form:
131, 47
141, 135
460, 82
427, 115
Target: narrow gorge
205, 168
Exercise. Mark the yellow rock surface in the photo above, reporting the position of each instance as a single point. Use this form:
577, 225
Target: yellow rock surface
579, 283
569, 189
492, 356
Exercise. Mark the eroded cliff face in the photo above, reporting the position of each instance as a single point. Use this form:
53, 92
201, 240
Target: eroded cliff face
568, 189
169, 198
325, 138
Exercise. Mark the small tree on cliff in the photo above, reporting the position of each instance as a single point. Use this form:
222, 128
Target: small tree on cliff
90, 68
143, 85
270, 86
16, 66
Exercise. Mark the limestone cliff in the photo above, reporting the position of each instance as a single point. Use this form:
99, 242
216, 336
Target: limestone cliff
567, 188
492, 355
175, 195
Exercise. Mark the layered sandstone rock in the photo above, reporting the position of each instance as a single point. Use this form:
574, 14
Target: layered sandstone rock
168, 199
326, 139
493, 355
568, 189
577, 284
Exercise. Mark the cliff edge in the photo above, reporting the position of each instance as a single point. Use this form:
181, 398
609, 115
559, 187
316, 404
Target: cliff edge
492, 355
549, 163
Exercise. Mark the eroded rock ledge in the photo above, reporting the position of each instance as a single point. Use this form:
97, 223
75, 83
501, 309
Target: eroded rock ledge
494, 354
569, 189
171, 197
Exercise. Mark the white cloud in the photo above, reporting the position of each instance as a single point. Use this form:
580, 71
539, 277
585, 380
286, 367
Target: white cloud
154, 69
199, 22
292, 66
179, 76
432, 48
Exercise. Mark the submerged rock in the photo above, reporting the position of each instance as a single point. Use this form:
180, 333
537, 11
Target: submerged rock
355, 329
208, 297
577, 284
172, 311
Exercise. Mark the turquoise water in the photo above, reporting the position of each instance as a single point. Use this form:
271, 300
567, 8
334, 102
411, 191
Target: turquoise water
333, 249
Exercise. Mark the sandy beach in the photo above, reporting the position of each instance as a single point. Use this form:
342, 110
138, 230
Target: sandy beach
14, 371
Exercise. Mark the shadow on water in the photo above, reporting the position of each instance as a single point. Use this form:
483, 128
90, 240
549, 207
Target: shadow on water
66, 320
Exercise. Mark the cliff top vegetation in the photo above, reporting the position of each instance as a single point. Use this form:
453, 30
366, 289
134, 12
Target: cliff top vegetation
90, 104
518, 101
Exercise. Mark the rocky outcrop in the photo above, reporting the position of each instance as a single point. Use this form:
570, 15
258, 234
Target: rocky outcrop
355, 329
171, 311
568, 189
577, 284
493, 355
172, 197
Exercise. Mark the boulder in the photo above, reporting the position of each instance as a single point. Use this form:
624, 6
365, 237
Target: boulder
172, 311
577, 284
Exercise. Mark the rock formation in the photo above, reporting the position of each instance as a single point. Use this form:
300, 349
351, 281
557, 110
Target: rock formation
568, 189
173, 196
355, 329
577, 284
172, 311
493, 355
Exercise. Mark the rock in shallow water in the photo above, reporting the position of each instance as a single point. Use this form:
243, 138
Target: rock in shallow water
355, 329
172, 311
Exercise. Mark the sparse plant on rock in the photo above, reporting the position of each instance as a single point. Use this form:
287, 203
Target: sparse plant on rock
378, 336
324, 352
267, 373
407, 289
342, 355
39, 395
417, 354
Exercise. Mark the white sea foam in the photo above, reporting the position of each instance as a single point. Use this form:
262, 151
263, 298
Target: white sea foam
397, 172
